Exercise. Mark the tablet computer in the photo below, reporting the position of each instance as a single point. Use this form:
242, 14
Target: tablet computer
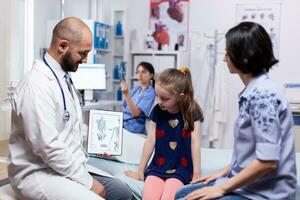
105, 132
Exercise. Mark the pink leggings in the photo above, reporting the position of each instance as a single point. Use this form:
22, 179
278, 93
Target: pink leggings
156, 188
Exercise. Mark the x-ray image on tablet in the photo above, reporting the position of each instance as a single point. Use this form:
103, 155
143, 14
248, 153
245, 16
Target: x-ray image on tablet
105, 132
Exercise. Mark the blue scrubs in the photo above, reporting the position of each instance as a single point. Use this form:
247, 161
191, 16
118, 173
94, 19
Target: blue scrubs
144, 101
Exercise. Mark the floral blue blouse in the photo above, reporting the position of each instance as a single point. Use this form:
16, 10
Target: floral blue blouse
264, 131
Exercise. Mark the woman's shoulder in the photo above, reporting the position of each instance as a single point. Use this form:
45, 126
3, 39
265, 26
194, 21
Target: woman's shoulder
151, 89
136, 87
268, 93
149, 92
268, 89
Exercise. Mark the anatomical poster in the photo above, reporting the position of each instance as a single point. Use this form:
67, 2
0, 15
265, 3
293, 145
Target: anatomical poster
267, 15
169, 24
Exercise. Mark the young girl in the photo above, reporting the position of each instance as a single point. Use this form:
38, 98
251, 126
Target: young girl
263, 161
174, 133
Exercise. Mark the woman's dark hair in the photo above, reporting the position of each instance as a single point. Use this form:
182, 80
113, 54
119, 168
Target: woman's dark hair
249, 47
149, 67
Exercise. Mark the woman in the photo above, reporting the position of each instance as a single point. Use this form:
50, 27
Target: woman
263, 161
138, 103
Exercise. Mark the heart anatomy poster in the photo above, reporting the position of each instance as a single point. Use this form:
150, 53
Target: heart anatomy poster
169, 24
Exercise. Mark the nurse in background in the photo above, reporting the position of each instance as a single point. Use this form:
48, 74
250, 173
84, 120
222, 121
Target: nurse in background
138, 102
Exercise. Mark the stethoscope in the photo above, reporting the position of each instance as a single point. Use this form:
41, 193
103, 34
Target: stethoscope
66, 116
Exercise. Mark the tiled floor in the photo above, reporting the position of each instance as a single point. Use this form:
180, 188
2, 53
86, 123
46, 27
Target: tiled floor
3, 156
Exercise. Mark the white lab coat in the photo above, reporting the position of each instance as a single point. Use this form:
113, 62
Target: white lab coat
47, 159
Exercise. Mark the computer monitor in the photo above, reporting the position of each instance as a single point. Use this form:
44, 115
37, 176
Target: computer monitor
90, 77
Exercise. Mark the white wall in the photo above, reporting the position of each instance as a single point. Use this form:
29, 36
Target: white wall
209, 15
44, 10
4, 44
12, 52
289, 70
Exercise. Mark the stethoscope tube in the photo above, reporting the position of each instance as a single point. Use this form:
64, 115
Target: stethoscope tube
66, 116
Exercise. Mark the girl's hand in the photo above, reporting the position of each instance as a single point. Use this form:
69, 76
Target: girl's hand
196, 176
124, 87
206, 193
135, 175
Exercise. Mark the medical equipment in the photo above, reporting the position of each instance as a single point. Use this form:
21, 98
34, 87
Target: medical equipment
89, 77
66, 115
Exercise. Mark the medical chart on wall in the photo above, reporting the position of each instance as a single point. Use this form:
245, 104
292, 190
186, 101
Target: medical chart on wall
267, 15
169, 24
105, 132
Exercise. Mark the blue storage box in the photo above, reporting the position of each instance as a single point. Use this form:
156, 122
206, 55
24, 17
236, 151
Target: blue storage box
296, 118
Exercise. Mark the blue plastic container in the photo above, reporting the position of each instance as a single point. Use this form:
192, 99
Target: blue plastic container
119, 31
119, 94
116, 72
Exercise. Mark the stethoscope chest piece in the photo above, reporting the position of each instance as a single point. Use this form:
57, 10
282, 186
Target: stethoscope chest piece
66, 115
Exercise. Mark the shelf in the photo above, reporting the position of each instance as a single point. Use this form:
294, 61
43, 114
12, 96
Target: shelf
102, 104
151, 52
133, 78
118, 55
295, 108
161, 60
118, 43
103, 50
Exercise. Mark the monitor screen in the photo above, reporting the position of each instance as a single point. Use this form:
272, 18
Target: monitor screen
90, 77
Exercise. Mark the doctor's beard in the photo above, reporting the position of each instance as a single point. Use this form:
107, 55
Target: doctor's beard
68, 64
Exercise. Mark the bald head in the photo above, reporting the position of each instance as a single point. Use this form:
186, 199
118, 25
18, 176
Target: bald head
70, 29
71, 42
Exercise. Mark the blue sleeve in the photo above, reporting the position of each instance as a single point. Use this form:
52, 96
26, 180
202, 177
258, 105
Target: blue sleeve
132, 92
264, 113
197, 116
154, 113
145, 104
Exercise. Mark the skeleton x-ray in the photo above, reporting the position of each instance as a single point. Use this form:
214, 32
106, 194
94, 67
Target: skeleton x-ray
105, 132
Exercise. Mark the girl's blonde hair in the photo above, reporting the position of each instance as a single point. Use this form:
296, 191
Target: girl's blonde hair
179, 82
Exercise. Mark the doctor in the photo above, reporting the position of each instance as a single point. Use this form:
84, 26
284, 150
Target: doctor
47, 159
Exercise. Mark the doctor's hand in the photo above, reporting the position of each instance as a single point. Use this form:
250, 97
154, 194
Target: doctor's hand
124, 88
106, 156
135, 175
98, 188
